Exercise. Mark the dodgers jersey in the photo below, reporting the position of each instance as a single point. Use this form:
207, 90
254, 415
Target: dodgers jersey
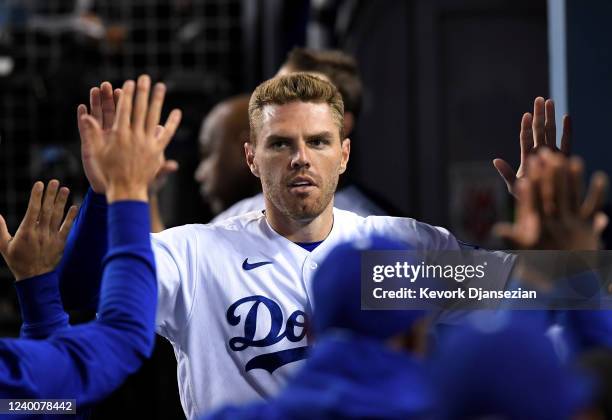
233, 298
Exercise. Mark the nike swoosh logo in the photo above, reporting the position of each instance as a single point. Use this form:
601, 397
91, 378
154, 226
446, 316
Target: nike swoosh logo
248, 266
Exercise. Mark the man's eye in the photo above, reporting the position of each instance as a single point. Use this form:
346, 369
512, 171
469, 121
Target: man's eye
318, 142
279, 144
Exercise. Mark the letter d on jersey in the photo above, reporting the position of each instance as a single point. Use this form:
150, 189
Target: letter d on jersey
271, 361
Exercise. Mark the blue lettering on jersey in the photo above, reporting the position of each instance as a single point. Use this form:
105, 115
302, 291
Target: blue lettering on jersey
271, 361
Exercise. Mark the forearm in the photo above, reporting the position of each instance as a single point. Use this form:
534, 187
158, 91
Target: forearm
41, 306
129, 290
80, 270
89, 361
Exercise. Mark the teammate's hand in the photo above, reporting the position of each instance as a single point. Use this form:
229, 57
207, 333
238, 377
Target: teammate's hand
39, 241
103, 103
131, 154
168, 167
537, 131
550, 212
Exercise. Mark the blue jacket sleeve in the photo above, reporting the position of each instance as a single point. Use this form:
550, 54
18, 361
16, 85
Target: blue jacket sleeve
42, 312
80, 270
89, 361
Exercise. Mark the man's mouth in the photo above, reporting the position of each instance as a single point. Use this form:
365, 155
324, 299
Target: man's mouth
300, 185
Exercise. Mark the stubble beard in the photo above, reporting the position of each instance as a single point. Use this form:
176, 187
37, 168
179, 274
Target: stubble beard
300, 208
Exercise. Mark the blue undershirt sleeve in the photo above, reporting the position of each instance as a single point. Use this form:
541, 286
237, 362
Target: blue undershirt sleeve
42, 312
89, 361
80, 270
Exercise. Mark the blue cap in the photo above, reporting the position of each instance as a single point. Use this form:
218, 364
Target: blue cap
511, 373
337, 294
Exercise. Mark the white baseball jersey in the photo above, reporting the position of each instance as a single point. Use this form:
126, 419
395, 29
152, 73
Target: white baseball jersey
348, 198
233, 296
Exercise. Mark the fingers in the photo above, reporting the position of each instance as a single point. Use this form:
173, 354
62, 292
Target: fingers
561, 184
91, 132
124, 107
600, 222
116, 96
595, 196
506, 172
158, 131
81, 111
576, 169
58, 208
108, 105
67, 225
538, 124
154, 115
170, 166
526, 207
95, 104
525, 231
550, 126
143, 88
535, 174
566, 136
172, 123
526, 136
33, 211
46, 213
5, 236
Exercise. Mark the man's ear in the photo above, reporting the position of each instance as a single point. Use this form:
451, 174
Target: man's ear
249, 152
346, 151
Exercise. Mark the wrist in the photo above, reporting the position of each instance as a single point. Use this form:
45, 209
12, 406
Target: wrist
32, 272
127, 192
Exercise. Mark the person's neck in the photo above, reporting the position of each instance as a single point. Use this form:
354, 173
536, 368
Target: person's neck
302, 231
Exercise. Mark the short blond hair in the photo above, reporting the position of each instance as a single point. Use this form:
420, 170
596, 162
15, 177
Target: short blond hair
303, 87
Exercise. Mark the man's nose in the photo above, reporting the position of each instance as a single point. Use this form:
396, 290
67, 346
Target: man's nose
301, 157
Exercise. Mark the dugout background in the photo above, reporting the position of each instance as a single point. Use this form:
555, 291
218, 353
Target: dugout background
446, 84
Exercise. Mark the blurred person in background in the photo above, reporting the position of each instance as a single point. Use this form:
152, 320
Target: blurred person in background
223, 176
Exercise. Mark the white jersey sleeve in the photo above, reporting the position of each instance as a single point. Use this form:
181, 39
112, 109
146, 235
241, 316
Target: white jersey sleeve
175, 256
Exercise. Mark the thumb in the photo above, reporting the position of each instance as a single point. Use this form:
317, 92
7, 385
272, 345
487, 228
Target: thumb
5, 236
506, 172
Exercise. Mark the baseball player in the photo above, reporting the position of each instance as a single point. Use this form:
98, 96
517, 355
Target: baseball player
341, 70
233, 295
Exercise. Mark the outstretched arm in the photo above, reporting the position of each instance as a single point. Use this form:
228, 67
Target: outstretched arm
87, 362
32, 255
80, 271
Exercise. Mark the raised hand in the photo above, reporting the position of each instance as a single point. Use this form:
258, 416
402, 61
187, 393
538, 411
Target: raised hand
551, 212
131, 153
538, 130
39, 241
102, 103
